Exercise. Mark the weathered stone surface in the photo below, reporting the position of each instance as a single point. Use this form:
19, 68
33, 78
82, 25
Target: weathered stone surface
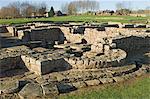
92, 82
80, 64
49, 89
118, 79
31, 90
79, 84
59, 76
9, 96
65, 87
139, 72
92, 64
9, 87
106, 80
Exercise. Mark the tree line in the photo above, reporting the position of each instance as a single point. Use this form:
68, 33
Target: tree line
24, 9
80, 6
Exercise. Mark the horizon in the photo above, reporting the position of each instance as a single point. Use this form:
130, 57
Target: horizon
104, 4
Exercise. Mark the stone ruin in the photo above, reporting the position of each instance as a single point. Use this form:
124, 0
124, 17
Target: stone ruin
50, 59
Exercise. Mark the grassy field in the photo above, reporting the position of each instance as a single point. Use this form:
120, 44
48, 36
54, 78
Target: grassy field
138, 88
83, 18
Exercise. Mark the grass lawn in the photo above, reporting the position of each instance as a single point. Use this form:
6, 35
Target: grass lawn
83, 18
138, 88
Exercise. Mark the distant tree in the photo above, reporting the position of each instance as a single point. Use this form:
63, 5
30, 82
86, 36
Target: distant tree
51, 12
72, 9
11, 11
82, 6
42, 9
27, 9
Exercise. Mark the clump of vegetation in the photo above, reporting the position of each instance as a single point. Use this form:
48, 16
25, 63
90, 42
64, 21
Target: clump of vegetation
51, 12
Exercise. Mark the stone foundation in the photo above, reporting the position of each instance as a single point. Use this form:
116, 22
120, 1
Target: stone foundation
45, 66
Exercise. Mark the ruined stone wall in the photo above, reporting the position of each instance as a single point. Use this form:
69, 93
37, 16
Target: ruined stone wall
44, 66
10, 63
52, 34
87, 63
91, 35
73, 38
10, 58
132, 43
48, 35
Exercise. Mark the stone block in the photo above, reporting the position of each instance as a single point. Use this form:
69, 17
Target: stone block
139, 72
118, 79
10, 88
29, 88
92, 64
106, 80
92, 82
80, 64
97, 74
27, 59
49, 89
79, 84
97, 64
38, 62
72, 61
65, 87
106, 48
86, 63
23, 57
32, 60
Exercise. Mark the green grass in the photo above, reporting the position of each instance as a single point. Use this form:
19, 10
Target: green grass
139, 89
83, 18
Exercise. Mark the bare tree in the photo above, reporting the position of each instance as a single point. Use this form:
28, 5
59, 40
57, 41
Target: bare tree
83, 6
24, 9
42, 9
72, 8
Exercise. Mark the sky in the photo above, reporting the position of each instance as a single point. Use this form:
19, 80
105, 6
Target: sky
104, 4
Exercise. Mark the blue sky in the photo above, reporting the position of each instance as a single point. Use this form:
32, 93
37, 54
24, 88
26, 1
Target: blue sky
104, 4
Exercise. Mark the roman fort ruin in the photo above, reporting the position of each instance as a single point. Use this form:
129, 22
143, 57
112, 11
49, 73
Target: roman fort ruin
53, 58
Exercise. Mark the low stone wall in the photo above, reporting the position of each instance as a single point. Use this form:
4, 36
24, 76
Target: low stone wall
45, 66
47, 35
87, 63
132, 43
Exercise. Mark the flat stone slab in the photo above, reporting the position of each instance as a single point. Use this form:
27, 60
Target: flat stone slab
65, 87
9, 87
92, 82
49, 89
31, 90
